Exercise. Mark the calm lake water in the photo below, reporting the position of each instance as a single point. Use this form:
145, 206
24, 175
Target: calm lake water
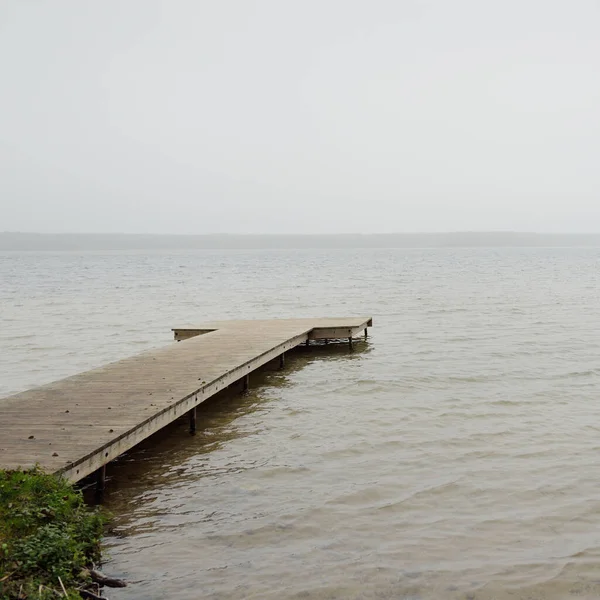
456, 455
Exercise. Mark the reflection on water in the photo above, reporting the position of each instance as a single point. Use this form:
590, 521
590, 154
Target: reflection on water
454, 456
173, 457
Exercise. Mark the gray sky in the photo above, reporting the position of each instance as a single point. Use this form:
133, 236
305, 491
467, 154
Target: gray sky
263, 116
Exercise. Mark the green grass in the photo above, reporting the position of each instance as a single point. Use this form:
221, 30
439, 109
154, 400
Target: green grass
47, 532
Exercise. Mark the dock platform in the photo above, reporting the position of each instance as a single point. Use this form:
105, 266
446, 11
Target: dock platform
75, 426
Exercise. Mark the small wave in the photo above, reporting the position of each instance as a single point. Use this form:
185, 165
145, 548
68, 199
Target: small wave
447, 311
447, 487
506, 403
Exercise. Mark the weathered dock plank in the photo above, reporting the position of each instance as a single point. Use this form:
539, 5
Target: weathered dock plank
76, 425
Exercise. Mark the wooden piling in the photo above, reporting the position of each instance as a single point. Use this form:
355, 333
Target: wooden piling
192, 415
100, 480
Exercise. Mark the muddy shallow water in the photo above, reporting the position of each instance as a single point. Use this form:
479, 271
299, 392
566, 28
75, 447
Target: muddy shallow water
453, 456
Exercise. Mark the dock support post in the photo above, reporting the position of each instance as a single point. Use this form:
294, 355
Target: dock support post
245, 384
350, 343
100, 480
192, 414
308, 342
366, 333
282, 360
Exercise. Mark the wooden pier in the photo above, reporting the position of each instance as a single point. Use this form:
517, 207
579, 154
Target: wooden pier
75, 426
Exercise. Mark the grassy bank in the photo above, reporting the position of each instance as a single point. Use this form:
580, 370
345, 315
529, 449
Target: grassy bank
48, 536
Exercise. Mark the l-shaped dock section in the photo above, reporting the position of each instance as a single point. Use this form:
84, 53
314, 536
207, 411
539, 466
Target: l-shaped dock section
75, 426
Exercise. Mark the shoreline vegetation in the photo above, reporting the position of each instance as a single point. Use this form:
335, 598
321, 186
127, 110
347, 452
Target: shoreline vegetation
50, 539
24, 241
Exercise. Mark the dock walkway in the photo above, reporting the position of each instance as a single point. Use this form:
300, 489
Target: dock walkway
77, 425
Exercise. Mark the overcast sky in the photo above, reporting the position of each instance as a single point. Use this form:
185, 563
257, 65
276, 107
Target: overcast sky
277, 116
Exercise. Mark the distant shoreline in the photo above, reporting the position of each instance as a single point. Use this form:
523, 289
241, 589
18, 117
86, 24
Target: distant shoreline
13, 241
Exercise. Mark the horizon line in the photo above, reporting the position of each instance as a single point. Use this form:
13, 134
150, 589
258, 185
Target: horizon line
449, 232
